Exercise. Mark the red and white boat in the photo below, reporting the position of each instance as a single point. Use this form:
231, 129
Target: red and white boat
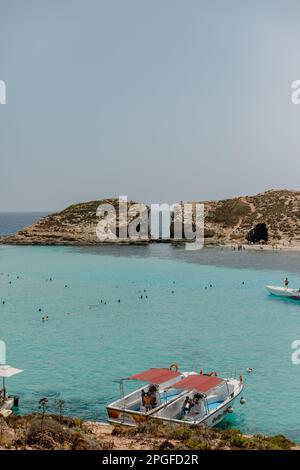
166, 394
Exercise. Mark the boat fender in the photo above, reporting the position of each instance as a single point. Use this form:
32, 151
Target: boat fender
241, 379
174, 367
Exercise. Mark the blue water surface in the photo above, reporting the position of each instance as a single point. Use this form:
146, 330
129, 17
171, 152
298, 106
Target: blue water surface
85, 346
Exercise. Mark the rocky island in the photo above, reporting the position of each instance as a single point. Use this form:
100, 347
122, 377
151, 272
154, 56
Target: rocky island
271, 217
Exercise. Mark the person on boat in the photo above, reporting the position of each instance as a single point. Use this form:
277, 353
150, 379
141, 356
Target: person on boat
152, 393
143, 397
187, 405
147, 402
286, 282
197, 398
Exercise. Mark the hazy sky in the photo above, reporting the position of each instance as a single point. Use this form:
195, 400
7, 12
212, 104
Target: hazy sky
160, 100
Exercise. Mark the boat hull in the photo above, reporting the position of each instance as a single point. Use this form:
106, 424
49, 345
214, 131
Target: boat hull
284, 292
213, 418
6, 407
131, 418
126, 417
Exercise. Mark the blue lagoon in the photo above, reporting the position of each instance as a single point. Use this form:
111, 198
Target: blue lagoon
86, 345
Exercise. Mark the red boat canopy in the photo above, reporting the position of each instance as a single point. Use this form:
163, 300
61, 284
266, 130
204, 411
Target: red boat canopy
155, 376
202, 383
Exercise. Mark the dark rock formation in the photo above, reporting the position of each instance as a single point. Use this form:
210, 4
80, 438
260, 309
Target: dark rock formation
258, 233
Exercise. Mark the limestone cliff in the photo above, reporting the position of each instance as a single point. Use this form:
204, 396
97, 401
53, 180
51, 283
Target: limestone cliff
226, 221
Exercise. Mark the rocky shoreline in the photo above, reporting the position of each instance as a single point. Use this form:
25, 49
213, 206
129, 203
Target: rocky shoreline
228, 223
51, 432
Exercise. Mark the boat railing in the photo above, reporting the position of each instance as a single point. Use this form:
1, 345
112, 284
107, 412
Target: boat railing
173, 409
134, 398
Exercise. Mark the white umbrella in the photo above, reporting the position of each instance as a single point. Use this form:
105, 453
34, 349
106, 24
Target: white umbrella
8, 371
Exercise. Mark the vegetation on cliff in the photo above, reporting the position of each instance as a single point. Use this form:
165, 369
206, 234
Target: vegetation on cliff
226, 221
38, 432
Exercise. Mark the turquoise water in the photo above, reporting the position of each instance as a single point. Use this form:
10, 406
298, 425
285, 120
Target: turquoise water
85, 345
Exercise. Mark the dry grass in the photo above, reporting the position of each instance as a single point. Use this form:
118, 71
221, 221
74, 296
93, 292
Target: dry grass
55, 433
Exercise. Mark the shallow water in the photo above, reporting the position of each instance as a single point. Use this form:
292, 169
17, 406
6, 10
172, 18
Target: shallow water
85, 346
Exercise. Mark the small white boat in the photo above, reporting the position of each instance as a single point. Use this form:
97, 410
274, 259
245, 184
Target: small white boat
6, 401
209, 397
132, 409
286, 292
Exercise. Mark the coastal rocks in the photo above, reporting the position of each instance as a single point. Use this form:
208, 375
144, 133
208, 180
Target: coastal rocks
47, 432
230, 211
76, 225
7, 434
34, 432
272, 216
258, 234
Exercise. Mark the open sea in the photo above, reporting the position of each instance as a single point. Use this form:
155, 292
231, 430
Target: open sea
86, 346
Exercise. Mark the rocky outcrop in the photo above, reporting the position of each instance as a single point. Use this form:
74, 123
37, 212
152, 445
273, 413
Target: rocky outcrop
76, 225
40, 433
227, 221
232, 219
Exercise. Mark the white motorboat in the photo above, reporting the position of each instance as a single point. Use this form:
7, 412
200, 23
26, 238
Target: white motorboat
209, 397
132, 409
6, 401
285, 292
